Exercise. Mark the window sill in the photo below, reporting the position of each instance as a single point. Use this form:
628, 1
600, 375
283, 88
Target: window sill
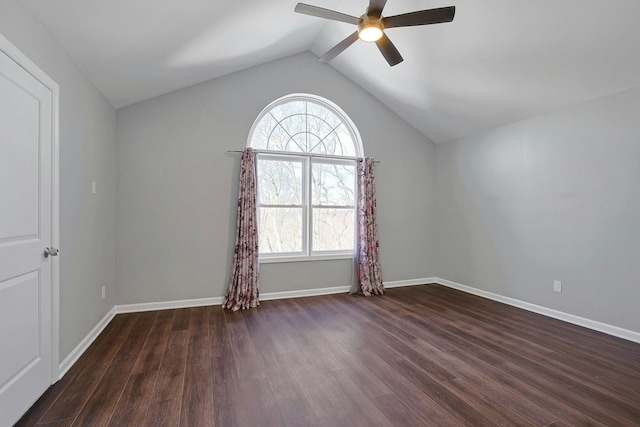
298, 258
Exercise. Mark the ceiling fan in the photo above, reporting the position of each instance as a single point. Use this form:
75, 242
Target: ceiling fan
372, 24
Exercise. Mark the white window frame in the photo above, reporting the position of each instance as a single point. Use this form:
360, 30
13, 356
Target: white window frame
307, 253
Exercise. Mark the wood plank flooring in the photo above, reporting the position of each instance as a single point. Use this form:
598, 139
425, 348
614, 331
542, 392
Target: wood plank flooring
418, 356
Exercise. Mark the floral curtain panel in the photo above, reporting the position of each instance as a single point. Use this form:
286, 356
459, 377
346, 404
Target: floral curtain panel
243, 286
370, 273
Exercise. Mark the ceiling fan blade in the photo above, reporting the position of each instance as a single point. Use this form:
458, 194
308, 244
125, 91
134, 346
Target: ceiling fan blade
321, 12
375, 7
389, 51
421, 17
339, 48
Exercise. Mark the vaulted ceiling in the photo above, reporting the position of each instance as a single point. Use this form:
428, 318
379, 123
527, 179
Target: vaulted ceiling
499, 61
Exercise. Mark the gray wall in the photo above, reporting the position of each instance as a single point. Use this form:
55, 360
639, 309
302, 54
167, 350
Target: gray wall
552, 197
87, 153
177, 188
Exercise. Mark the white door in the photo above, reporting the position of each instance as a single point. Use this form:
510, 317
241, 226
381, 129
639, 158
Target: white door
26, 141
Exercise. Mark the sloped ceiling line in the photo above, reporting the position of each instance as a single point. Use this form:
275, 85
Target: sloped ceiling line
499, 61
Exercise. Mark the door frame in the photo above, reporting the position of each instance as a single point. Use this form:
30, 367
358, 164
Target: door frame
23, 61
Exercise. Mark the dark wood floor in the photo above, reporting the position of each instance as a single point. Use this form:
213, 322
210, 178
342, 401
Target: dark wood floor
418, 356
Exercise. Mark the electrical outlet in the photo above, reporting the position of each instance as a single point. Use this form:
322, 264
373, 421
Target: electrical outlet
104, 292
557, 286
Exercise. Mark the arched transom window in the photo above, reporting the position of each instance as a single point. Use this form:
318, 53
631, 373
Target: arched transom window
307, 152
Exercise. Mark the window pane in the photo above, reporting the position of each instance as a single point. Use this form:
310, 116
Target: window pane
333, 229
346, 145
281, 140
262, 132
289, 108
320, 130
333, 184
279, 182
295, 123
296, 128
322, 112
280, 230
335, 142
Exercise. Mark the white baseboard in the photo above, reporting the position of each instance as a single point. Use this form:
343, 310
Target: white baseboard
410, 282
167, 305
304, 293
203, 302
75, 354
570, 318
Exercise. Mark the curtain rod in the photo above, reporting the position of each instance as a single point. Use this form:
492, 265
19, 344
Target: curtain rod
287, 153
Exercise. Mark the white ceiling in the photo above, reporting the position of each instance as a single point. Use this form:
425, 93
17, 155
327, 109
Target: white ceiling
499, 60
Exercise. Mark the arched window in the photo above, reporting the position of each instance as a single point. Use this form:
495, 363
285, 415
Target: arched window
307, 151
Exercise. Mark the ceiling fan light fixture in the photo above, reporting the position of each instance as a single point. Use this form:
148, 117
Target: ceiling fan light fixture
370, 30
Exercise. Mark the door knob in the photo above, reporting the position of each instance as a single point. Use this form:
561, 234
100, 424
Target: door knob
51, 252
